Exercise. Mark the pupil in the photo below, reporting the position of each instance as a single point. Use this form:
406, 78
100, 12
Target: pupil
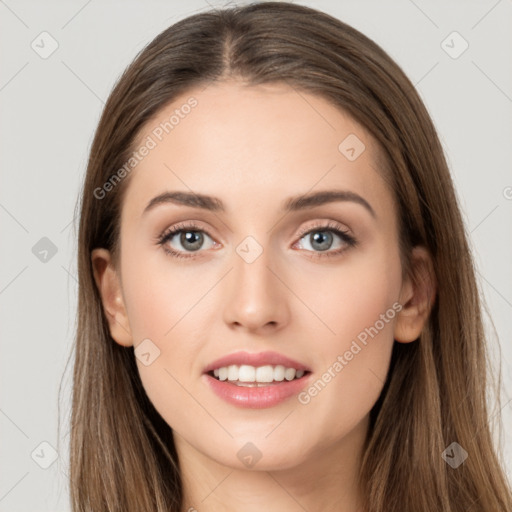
319, 237
188, 238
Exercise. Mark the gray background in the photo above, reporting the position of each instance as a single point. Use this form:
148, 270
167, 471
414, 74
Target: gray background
50, 108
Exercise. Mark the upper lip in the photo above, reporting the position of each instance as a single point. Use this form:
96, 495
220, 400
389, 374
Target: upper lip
256, 359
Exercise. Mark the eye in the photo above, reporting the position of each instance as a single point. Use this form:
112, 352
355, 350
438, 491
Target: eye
320, 239
191, 239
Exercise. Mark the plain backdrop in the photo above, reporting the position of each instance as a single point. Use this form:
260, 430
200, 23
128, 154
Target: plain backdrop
50, 106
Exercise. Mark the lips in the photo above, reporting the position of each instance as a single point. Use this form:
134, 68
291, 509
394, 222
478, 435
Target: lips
256, 359
245, 392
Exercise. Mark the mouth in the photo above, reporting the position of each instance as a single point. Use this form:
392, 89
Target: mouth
256, 380
257, 376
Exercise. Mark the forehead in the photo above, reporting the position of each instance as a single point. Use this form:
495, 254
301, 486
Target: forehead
252, 145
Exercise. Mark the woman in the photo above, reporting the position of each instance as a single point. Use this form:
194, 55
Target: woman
277, 302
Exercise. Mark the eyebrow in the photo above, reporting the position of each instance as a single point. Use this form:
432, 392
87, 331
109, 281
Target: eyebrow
292, 204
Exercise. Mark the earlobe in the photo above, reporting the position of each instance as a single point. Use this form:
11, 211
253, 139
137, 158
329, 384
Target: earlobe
417, 297
109, 287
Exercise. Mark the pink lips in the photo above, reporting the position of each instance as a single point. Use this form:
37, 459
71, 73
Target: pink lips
259, 359
268, 395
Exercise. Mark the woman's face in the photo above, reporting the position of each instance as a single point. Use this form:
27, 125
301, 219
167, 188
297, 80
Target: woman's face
256, 270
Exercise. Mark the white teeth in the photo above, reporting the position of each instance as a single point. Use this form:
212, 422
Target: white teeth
279, 373
247, 373
233, 372
223, 373
289, 373
265, 374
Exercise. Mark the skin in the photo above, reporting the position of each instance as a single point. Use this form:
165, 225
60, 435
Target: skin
253, 147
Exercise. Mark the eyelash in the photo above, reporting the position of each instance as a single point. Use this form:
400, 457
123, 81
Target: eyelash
348, 239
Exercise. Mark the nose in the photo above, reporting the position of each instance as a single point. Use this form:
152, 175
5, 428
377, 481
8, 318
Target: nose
257, 298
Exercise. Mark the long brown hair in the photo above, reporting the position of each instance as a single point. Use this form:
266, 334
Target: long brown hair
122, 454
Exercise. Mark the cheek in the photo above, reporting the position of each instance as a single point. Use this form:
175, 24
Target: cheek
160, 296
348, 298
164, 305
353, 354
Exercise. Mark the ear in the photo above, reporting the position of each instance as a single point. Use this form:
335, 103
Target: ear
109, 287
417, 297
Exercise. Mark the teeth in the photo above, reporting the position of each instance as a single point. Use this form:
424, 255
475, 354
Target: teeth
264, 374
289, 373
247, 373
279, 373
233, 372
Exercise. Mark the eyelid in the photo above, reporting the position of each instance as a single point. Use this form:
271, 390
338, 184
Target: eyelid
181, 226
326, 225
194, 226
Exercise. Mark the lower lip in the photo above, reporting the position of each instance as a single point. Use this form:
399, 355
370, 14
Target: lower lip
256, 397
